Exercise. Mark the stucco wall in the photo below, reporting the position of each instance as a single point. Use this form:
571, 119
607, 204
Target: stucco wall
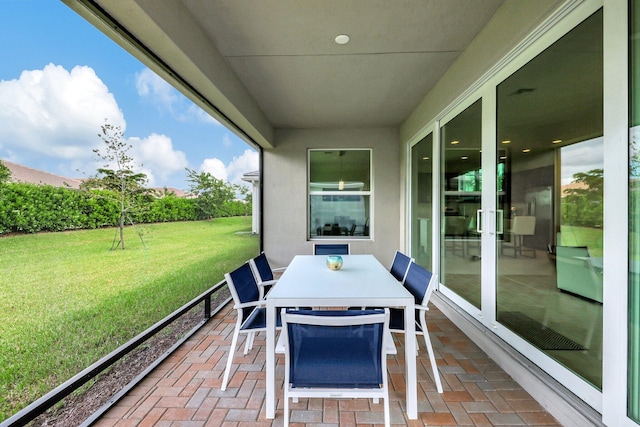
514, 20
286, 193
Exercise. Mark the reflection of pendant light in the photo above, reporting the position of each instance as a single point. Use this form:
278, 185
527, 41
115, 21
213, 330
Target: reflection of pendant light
341, 182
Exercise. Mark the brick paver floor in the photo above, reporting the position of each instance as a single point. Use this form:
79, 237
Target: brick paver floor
185, 389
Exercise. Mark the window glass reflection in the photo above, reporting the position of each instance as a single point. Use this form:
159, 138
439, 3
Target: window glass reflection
422, 200
550, 198
339, 194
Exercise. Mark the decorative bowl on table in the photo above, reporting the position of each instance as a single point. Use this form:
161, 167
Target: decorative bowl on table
334, 262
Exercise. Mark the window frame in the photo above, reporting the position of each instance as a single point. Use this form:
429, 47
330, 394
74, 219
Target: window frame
367, 194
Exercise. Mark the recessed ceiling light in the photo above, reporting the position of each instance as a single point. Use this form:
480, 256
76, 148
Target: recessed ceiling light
526, 150
425, 158
506, 141
342, 39
503, 157
455, 142
464, 157
556, 141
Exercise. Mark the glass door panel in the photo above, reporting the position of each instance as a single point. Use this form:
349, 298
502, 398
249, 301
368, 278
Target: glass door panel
422, 201
460, 251
550, 188
634, 216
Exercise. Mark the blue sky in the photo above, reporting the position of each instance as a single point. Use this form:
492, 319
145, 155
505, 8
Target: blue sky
60, 78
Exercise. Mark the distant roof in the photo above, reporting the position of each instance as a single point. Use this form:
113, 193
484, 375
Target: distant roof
251, 176
29, 175
176, 191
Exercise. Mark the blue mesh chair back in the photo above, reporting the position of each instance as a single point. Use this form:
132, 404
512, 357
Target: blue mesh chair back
331, 249
335, 353
400, 265
246, 288
264, 269
417, 282
335, 356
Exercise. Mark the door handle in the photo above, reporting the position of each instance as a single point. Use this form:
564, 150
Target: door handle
500, 219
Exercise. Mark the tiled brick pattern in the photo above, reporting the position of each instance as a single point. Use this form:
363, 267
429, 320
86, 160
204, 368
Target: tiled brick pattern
184, 391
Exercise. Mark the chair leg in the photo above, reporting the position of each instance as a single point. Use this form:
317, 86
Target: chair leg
286, 410
248, 345
232, 350
387, 415
432, 357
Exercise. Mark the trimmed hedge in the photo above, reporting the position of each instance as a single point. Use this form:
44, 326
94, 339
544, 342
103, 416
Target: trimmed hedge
31, 208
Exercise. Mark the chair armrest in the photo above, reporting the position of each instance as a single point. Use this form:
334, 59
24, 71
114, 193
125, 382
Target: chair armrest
268, 283
422, 307
261, 303
280, 269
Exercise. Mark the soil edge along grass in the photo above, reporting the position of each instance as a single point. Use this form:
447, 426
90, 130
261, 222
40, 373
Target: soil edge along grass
66, 299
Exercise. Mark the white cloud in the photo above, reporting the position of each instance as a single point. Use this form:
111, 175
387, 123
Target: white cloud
215, 167
226, 141
152, 87
157, 91
582, 157
158, 158
55, 113
247, 162
54, 116
232, 173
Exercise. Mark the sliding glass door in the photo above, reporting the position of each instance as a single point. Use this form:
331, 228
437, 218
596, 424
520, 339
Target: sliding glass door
634, 217
422, 201
461, 201
550, 151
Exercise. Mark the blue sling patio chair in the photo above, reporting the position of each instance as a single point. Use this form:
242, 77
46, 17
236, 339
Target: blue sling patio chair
400, 266
250, 308
264, 273
331, 249
420, 282
335, 354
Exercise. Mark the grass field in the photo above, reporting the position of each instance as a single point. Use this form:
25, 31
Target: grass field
66, 299
583, 236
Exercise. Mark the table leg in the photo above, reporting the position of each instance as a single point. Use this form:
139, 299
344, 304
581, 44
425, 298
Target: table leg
271, 361
410, 362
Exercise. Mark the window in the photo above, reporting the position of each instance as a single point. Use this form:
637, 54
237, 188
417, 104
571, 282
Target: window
339, 194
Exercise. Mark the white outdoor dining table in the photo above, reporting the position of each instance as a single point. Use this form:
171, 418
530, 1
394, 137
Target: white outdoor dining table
362, 281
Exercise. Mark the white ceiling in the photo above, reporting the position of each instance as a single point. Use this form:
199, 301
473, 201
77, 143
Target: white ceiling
283, 51
285, 54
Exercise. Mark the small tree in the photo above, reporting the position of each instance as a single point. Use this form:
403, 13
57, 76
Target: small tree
583, 205
211, 193
5, 173
117, 175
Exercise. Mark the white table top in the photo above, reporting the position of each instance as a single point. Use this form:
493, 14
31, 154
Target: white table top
362, 281
361, 278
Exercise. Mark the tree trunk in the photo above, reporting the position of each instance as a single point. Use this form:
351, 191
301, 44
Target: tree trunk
122, 217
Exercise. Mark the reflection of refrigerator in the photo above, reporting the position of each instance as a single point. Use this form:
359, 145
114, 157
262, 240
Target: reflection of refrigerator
538, 202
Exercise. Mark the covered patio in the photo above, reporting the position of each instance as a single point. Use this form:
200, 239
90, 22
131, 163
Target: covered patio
381, 119
185, 389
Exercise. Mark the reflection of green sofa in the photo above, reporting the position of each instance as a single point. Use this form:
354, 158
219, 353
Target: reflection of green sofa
576, 273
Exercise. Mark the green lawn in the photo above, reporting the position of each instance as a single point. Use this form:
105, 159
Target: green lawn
583, 236
66, 299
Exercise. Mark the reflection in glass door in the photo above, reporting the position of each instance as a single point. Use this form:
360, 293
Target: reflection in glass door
460, 252
422, 201
550, 152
